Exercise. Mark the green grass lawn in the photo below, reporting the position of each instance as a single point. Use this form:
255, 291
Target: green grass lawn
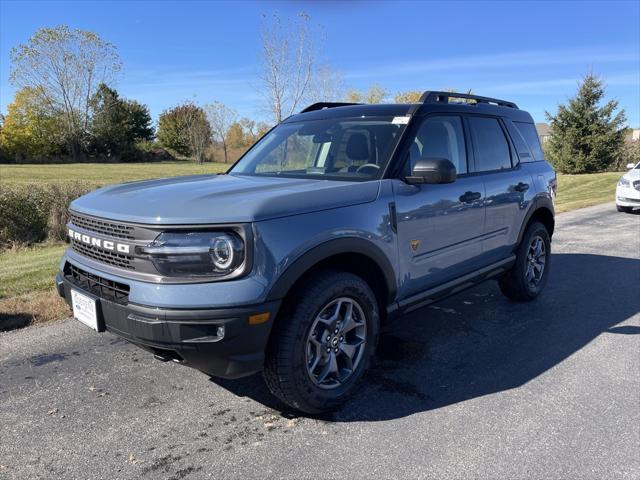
578, 191
103, 173
28, 270
27, 293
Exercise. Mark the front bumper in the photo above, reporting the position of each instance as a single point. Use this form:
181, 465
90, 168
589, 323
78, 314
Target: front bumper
627, 197
218, 341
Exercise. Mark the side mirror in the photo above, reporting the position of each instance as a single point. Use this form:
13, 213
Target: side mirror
631, 166
432, 170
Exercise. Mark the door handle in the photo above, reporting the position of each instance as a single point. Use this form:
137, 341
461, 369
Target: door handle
470, 197
522, 187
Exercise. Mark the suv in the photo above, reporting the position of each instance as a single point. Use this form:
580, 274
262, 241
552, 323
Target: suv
338, 220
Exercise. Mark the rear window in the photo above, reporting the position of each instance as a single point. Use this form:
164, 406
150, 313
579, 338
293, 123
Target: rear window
528, 131
522, 148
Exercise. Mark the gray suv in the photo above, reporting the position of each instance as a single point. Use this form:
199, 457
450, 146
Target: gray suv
338, 220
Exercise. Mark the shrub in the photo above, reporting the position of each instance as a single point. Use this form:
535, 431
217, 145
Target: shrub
34, 212
23, 215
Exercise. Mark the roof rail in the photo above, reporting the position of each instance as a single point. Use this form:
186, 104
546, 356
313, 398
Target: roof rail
323, 105
443, 97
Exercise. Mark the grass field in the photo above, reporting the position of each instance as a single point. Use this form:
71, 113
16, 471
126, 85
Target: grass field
579, 191
27, 294
26, 275
103, 173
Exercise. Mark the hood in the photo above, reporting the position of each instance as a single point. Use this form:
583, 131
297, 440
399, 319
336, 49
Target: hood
632, 174
215, 199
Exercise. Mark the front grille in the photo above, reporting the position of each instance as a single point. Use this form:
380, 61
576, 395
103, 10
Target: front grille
103, 227
636, 185
105, 256
629, 200
101, 287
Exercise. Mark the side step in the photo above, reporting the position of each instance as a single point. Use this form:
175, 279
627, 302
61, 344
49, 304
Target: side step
452, 287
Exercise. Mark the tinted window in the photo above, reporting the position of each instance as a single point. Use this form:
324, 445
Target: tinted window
490, 144
441, 137
524, 154
530, 134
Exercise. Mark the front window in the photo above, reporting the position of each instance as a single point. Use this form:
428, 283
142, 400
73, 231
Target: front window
336, 149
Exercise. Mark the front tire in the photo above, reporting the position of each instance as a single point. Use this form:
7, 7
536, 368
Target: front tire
323, 343
529, 274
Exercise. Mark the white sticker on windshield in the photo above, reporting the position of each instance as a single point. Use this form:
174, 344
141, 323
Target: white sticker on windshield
400, 120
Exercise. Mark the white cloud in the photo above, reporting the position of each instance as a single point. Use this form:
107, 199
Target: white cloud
501, 60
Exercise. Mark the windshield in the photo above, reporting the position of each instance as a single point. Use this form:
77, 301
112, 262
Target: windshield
336, 149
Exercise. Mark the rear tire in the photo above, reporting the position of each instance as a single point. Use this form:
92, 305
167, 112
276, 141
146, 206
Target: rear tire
529, 274
623, 209
335, 311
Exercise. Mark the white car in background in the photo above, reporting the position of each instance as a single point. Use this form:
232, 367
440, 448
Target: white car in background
628, 189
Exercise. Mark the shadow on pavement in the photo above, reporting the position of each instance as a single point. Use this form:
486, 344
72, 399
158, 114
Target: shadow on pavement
478, 343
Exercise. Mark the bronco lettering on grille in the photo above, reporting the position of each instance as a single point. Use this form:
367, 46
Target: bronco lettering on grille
99, 243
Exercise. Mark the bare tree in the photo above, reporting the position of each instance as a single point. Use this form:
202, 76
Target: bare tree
291, 73
198, 129
221, 118
65, 66
327, 85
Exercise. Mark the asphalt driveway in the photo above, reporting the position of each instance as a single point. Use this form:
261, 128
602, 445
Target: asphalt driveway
473, 387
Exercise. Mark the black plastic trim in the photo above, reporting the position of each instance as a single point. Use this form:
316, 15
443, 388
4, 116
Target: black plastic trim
541, 203
452, 287
322, 105
326, 250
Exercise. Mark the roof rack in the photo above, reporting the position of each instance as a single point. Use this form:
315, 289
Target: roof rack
443, 97
323, 105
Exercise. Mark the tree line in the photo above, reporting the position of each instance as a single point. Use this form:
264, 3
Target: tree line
66, 106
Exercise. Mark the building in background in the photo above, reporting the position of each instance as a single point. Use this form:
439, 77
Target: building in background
544, 132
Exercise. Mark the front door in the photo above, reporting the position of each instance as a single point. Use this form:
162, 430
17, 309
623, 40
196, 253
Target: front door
439, 226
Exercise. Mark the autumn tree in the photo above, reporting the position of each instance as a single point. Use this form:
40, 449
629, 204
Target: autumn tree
253, 130
587, 135
236, 137
221, 118
185, 129
410, 96
31, 130
64, 68
455, 99
375, 94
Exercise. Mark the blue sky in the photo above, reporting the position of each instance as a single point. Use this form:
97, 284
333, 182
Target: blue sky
531, 53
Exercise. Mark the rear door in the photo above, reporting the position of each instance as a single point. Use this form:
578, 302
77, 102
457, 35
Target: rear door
508, 187
439, 226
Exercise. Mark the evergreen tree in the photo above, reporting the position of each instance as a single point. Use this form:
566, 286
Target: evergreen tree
586, 136
118, 124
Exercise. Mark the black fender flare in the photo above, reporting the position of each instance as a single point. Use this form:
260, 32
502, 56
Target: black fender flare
541, 203
328, 249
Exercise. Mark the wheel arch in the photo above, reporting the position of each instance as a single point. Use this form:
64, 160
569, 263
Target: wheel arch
354, 255
543, 213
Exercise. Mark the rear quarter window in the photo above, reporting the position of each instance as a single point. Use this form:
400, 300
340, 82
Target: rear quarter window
528, 131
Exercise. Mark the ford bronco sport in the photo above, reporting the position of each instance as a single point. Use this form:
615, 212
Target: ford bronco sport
339, 219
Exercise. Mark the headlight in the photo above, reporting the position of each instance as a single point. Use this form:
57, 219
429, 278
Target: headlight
196, 254
623, 182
